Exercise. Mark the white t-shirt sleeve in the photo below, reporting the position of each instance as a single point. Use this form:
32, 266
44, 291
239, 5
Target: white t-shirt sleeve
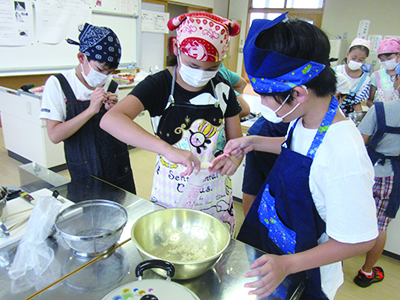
341, 181
53, 101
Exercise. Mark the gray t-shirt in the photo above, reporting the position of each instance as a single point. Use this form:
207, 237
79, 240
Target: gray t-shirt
390, 143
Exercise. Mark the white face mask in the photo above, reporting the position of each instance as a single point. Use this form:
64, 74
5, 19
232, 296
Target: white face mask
195, 77
353, 65
271, 115
389, 64
94, 78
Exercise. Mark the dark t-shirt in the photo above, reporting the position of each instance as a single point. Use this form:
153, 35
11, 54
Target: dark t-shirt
155, 89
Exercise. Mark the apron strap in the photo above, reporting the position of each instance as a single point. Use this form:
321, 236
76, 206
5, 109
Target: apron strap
381, 121
65, 86
112, 87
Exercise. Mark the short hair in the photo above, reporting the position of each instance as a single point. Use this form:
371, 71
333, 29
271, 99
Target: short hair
300, 39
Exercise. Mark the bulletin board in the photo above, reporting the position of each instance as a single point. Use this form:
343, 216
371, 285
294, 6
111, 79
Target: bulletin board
43, 58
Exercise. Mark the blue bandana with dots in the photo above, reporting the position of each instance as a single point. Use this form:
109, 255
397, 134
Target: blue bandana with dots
287, 81
99, 43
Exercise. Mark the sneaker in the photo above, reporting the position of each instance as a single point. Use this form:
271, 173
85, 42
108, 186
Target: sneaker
363, 280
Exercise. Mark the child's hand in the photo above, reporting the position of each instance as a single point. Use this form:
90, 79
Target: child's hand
96, 100
225, 165
112, 99
239, 147
273, 270
185, 158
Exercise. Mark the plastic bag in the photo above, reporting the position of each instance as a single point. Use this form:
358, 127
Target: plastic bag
33, 253
192, 189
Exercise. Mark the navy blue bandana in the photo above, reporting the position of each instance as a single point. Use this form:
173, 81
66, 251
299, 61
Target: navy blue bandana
272, 72
99, 43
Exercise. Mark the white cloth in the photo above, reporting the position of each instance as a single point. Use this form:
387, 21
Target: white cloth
53, 100
341, 180
363, 92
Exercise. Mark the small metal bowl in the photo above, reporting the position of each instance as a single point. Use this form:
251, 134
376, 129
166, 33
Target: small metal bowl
357, 116
193, 241
91, 227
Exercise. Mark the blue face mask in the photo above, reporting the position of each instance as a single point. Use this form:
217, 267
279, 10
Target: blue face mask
398, 69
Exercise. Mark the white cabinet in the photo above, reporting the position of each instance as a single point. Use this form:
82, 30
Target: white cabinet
393, 240
24, 133
143, 119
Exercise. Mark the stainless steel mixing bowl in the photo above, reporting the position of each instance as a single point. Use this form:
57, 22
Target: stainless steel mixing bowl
92, 227
193, 241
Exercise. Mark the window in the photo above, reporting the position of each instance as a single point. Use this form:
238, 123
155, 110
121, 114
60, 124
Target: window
299, 4
308, 10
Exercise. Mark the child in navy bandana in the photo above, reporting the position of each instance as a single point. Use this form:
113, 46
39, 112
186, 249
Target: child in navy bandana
315, 208
74, 102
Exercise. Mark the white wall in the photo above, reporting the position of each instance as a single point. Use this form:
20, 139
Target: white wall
342, 17
205, 3
221, 8
238, 11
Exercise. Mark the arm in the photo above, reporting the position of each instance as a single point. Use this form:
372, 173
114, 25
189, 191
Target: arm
241, 146
245, 107
366, 138
59, 131
372, 92
240, 85
275, 268
229, 165
118, 122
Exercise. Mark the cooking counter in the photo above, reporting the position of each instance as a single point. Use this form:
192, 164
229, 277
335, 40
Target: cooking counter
224, 281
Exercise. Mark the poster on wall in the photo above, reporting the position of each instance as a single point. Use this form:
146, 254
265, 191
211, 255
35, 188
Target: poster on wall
57, 20
116, 7
154, 21
16, 23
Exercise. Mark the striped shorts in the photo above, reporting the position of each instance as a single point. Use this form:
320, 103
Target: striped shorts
382, 189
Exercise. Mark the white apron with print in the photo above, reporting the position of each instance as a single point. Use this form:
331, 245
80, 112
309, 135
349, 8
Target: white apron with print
201, 138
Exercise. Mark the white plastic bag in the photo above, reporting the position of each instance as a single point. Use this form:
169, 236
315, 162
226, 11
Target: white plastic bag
33, 253
192, 189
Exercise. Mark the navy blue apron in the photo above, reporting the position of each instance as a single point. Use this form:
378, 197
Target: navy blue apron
91, 150
283, 218
376, 157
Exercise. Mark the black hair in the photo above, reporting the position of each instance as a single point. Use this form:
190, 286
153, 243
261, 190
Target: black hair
361, 47
172, 60
300, 39
109, 65
387, 55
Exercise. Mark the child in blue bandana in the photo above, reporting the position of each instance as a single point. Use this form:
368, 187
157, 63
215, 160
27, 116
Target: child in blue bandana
74, 102
316, 203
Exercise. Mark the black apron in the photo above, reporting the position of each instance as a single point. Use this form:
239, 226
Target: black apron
91, 150
376, 157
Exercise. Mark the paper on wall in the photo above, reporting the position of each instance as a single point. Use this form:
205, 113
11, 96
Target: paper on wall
16, 23
57, 20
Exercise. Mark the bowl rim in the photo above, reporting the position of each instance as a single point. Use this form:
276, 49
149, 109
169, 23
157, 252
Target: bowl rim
213, 257
86, 203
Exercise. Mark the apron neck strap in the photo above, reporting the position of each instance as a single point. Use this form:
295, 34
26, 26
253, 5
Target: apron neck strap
171, 99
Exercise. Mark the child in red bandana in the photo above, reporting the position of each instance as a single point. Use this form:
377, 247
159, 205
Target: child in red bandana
194, 110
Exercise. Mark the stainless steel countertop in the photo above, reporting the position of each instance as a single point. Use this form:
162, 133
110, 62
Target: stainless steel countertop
224, 281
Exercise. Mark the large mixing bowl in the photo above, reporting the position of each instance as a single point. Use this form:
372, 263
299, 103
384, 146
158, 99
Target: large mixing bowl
92, 227
193, 241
